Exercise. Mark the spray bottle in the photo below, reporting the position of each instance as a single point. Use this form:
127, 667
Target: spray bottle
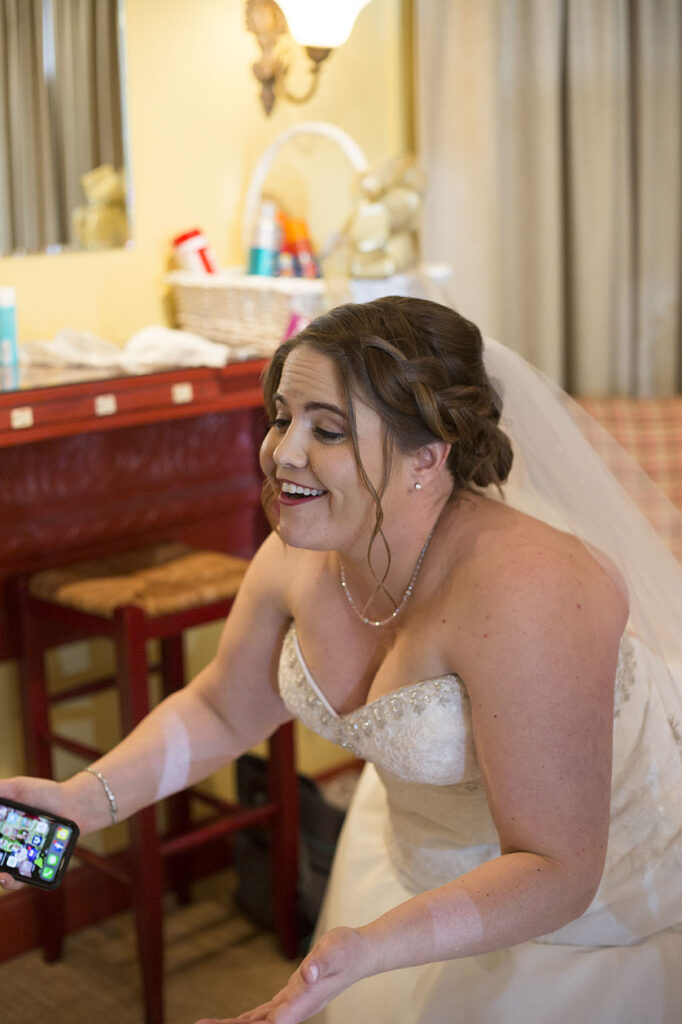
266, 241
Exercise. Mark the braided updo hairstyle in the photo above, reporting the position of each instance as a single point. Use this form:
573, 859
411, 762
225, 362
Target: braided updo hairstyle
419, 365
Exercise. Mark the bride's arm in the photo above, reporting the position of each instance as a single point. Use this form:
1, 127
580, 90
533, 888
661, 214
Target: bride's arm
540, 678
231, 705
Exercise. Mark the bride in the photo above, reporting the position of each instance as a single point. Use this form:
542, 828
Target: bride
462, 611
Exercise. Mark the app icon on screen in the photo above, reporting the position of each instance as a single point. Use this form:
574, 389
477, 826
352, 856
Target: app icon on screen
57, 846
52, 859
47, 873
62, 832
42, 828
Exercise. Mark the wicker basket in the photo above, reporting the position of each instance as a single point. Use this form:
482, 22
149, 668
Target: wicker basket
240, 309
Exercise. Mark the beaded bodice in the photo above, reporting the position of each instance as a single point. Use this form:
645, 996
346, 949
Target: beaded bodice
431, 719
420, 740
438, 824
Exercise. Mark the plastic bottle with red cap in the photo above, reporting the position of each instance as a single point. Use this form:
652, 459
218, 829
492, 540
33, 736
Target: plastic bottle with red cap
193, 252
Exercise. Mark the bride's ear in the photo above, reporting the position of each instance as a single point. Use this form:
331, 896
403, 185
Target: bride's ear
430, 460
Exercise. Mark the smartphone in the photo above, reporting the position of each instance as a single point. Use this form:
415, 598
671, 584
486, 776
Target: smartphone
35, 845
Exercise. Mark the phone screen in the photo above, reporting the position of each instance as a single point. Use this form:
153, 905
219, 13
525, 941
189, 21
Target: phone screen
35, 845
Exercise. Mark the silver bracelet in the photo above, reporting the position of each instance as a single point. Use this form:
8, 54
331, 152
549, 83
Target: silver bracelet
113, 806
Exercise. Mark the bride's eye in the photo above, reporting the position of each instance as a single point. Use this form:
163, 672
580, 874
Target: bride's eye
279, 423
329, 436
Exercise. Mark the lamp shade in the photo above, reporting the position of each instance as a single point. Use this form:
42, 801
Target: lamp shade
321, 23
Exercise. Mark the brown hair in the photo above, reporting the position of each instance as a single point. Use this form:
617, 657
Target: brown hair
419, 365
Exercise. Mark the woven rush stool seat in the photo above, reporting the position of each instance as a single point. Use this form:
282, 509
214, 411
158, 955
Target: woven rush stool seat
159, 579
154, 592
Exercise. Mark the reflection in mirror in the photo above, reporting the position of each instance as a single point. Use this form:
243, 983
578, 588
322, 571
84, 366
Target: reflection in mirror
62, 137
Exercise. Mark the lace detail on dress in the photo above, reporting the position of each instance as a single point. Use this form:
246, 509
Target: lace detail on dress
627, 680
675, 730
625, 675
419, 733
645, 835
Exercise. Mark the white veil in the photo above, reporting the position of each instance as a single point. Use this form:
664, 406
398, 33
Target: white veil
569, 472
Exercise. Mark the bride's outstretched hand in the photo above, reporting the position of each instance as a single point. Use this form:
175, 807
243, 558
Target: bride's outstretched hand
334, 963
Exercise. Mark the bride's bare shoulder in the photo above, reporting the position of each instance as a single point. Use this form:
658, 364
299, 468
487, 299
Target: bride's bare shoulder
512, 559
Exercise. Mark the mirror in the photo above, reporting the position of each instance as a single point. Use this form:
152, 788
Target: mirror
63, 160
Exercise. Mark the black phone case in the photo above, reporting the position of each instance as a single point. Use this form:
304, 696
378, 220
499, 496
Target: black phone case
42, 813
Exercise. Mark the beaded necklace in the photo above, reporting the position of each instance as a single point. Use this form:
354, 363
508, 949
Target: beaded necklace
410, 587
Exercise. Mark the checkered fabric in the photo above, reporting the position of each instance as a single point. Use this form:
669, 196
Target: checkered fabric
650, 430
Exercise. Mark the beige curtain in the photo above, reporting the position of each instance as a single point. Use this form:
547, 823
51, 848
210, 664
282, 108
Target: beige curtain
28, 207
86, 94
551, 135
58, 117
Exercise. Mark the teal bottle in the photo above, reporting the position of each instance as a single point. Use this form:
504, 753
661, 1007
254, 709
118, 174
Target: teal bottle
265, 244
9, 352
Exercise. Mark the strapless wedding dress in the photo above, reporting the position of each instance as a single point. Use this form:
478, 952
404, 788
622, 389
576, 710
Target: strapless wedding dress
420, 818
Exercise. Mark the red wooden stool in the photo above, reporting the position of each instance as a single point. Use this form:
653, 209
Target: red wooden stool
152, 593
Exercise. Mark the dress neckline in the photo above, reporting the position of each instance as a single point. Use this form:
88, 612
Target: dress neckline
402, 691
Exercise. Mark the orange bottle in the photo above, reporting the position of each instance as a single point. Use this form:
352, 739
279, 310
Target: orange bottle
297, 239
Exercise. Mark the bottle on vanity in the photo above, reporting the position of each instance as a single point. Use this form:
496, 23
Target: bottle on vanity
9, 352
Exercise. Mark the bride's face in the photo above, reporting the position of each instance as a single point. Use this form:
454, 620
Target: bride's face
309, 449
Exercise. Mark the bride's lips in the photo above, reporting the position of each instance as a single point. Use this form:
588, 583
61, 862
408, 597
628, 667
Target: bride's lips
289, 499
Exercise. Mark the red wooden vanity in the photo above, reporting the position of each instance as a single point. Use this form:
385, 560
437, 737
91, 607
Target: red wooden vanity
93, 466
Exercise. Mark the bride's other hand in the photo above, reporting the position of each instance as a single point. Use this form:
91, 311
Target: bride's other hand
337, 961
44, 794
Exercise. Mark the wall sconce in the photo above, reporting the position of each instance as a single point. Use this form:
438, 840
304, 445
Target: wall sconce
317, 25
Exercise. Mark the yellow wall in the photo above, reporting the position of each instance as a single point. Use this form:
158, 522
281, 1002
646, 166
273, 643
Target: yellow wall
196, 130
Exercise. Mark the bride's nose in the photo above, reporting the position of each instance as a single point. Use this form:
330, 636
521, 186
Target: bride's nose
290, 450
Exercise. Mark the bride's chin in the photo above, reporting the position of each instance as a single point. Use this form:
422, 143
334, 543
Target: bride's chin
305, 539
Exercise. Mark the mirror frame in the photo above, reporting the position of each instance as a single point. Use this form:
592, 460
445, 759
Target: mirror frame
57, 248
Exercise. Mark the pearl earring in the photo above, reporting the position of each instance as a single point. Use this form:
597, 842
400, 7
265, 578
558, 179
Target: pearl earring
417, 486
